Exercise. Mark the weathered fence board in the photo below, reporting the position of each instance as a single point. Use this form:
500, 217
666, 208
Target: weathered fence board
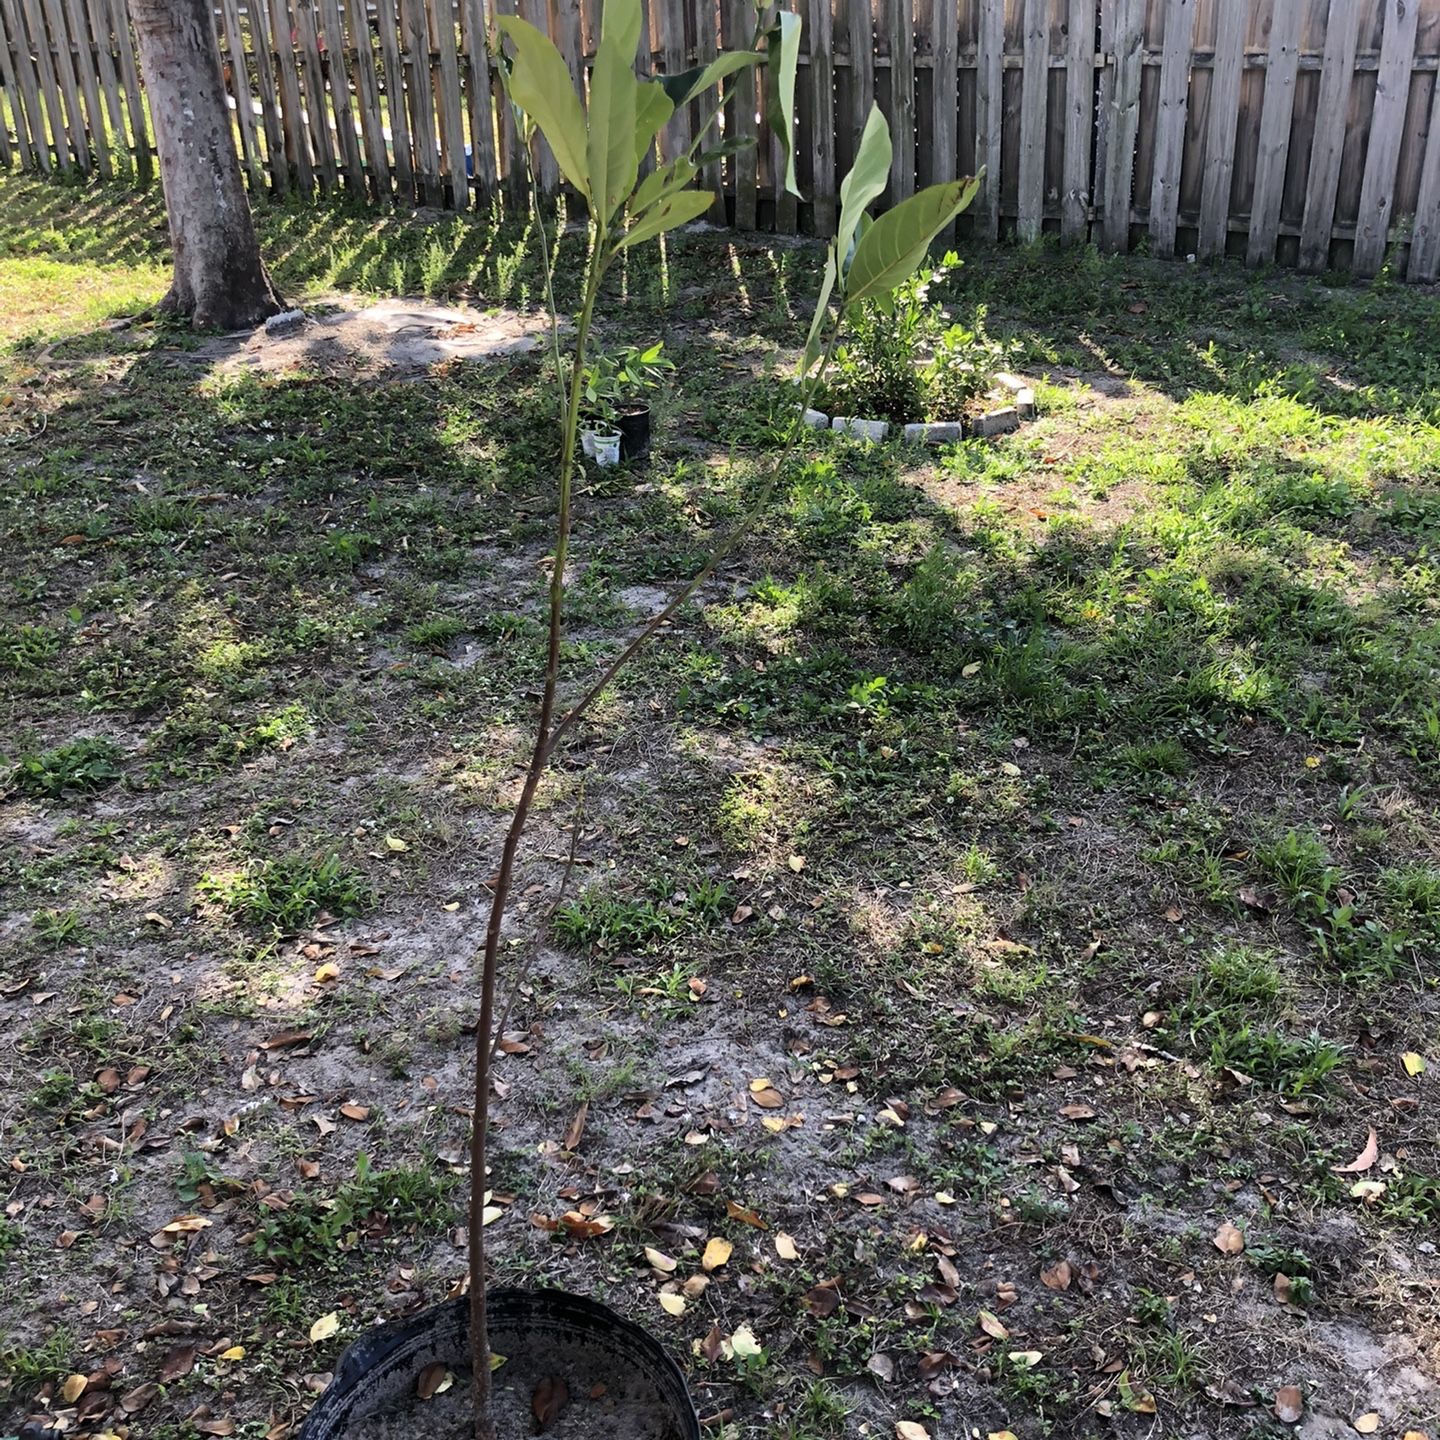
1303, 130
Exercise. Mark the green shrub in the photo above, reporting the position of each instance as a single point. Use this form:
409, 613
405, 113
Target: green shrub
82, 765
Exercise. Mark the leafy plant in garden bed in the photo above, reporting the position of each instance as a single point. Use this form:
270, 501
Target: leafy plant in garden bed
904, 359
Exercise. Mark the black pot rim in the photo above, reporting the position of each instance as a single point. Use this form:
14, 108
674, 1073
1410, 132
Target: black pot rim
398, 1343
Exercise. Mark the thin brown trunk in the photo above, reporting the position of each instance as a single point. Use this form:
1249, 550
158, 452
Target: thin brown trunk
220, 280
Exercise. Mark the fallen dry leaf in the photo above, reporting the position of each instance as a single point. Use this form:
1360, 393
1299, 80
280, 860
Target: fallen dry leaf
1077, 1112
717, 1251
1229, 1240
1413, 1063
1056, 1276
785, 1247
430, 1380
1134, 1396
744, 1215
659, 1259
73, 1388
551, 1396
671, 1303
1368, 1423
1289, 1405
325, 1327
881, 1366
993, 1326
576, 1128
910, 1430
1364, 1160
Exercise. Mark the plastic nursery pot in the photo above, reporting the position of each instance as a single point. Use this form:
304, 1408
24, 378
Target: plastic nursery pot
587, 443
541, 1333
634, 427
607, 449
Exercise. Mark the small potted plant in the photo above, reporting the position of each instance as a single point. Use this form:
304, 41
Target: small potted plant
614, 383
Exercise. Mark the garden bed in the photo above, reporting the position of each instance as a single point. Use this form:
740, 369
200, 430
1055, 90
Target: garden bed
1002, 910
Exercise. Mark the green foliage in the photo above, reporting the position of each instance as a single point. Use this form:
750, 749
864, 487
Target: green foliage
79, 765
613, 378
638, 923
904, 360
290, 890
30, 1366
319, 1229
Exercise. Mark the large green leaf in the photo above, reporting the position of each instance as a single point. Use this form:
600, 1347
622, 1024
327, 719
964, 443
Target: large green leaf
614, 95
896, 243
677, 209
653, 107
867, 179
538, 81
660, 182
782, 59
689, 83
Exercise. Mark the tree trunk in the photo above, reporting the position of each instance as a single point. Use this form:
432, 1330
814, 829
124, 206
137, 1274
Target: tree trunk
220, 280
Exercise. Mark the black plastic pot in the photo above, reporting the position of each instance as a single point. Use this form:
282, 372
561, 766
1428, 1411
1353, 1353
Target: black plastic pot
378, 1373
634, 427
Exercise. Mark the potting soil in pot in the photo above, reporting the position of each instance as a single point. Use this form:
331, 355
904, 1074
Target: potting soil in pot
569, 1392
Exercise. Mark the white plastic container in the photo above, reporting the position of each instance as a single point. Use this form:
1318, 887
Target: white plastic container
607, 450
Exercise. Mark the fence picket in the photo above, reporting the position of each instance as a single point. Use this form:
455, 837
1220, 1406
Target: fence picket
29, 12
1034, 82
312, 75
707, 47
1424, 261
1170, 125
1328, 147
98, 18
1079, 120
819, 22
64, 62
337, 73
475, 38
19, 77
87, 69
130, 79
1121, 120
670, 23
276, 159
420, 100
1219, 170
240, 90
447, 95
738, 17
297, 140
990, 114
1392, 93
396, 108
367, 96
900, 30
1275, 118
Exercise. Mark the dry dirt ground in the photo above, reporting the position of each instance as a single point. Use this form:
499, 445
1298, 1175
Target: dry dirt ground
1005, 910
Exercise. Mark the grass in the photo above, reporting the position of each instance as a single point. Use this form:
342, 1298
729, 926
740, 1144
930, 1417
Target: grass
1050, 823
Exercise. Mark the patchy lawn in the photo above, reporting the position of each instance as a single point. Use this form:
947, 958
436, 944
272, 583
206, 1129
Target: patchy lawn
1051, 822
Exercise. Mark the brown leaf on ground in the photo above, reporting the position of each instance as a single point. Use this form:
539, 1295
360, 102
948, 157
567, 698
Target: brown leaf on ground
1056, 1276
551, 1396
1364, 1160
575, 1130
178, 1361
1229, 1240
745, 1215
1289, 1405
429, 1380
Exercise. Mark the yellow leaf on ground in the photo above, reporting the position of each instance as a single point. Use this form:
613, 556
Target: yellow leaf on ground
717, 1252
744, 1343
1368, 1423
324, 1327
659, 1259
1414, 1064
910, 1430
672, 1304
395, 844
993, 1326
785, 1247
72, 1389
235, 1352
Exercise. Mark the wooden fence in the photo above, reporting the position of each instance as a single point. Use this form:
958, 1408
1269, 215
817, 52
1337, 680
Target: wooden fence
1306, 131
